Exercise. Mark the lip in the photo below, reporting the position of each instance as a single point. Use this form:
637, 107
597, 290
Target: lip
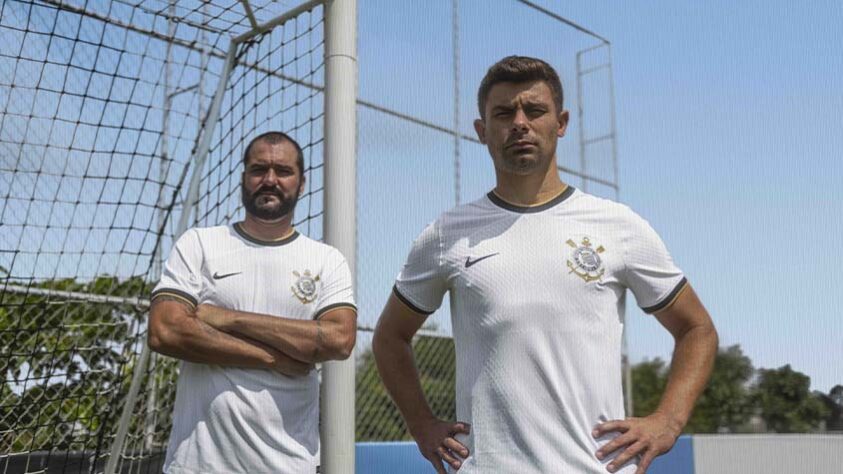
522, 144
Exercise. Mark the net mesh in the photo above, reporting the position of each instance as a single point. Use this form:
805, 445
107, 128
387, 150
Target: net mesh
416, 107
101, 108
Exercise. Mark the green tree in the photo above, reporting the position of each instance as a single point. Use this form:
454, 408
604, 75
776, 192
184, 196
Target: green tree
648, 382
785, 402
64, 362
377, 418
724, 404
834, 403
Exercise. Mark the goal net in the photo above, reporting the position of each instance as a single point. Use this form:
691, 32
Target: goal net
106, 108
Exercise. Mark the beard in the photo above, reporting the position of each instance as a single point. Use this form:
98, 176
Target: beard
519, 164
267, 211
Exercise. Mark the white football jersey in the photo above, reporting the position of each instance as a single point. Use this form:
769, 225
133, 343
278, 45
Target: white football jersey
238, 420
537, 304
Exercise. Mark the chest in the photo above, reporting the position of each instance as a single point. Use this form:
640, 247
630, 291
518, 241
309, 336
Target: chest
264, 280
537, 272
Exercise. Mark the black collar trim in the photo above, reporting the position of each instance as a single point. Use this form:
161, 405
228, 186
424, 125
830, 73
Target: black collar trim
269, 243
530, 209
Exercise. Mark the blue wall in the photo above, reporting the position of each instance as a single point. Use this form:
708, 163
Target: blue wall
404, 458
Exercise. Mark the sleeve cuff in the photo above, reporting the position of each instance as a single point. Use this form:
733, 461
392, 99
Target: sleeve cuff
409, 303
321, 311
182, 295
669, 299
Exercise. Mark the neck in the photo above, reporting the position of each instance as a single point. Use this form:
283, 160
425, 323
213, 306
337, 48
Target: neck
268, 230
529, 190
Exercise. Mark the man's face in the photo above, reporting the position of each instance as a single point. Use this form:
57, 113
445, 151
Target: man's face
271, 181
521, 126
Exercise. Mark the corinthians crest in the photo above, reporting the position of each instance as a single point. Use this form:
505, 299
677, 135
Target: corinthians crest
585, 260
305, 286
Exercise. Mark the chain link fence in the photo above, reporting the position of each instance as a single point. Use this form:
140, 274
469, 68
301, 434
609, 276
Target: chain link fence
105, 109
418, 153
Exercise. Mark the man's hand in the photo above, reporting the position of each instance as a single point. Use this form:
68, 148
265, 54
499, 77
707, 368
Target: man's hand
211, 315
218, 318
436, 442
289, 366
648, 437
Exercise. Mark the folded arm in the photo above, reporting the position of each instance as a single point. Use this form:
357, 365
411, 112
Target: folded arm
330, 337
176, 331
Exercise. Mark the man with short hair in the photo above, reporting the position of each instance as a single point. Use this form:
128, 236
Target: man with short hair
537, 273
249, 308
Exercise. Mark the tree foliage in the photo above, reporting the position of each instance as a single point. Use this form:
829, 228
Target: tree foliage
785, 401
781, 397
65, 362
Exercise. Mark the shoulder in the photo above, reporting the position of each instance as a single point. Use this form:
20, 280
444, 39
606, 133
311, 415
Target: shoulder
463, 218
314, 248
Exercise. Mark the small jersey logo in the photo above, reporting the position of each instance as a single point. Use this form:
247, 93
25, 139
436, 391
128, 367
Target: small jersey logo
469, 262
217, 276
305, 286
585, 260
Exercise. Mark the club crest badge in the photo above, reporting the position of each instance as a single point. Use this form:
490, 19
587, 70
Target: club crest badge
585, 261
305, 286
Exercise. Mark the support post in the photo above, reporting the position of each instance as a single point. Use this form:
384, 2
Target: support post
337, 400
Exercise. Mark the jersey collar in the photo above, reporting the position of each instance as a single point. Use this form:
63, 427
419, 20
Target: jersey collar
269, 243
498, 201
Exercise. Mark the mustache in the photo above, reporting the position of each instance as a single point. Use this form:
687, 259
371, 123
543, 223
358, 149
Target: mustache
268, 190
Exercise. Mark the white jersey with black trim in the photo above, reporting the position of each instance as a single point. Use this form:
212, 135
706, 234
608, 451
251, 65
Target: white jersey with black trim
237, 420
537, 301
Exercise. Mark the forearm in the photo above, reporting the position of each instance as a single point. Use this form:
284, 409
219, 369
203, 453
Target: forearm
192, 340
690, 369
304, 340
397, 368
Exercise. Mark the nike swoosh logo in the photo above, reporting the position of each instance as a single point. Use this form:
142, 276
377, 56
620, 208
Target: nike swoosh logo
469, 262
217, 276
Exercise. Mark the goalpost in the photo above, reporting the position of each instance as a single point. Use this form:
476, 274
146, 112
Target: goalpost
122, 124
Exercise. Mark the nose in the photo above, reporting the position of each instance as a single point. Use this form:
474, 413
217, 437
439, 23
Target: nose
269, 177
519, 121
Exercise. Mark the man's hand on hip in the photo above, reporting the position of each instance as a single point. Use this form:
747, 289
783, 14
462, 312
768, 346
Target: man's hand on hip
647, 437
436, 441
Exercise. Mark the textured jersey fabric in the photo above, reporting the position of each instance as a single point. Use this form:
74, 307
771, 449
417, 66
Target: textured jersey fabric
237, 420
537, 304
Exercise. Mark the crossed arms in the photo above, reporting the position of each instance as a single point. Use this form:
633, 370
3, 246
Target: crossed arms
213, 335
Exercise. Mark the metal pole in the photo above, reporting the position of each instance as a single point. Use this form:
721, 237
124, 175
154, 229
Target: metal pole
581, 121
337, 401
627, 369
205, 142
455, 38
199, 162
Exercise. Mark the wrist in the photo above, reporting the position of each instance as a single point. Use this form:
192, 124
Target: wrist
418, 423
673, 421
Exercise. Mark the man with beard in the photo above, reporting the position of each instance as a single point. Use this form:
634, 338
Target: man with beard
249, 308
537, 273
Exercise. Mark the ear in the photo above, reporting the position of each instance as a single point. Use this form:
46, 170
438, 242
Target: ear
301, 185
563, 123
480, 128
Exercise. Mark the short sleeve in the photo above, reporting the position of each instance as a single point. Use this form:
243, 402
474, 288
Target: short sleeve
422, 282
649, 271
182, 276
337, 288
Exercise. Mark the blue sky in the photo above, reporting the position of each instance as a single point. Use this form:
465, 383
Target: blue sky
729, 131
729, 141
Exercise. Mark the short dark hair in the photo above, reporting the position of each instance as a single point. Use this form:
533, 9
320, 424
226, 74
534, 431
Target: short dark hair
274, 138
520, 69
